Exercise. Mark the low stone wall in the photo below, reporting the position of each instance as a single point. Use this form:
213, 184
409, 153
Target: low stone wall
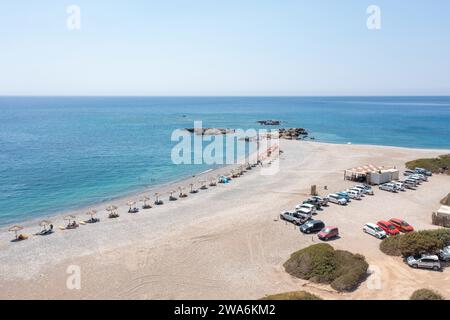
440, 220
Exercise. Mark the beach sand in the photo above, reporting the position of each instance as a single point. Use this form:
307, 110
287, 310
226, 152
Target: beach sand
227, 242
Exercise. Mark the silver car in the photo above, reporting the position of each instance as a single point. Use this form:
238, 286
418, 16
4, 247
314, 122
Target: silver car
444, 254
424, 261
294, 217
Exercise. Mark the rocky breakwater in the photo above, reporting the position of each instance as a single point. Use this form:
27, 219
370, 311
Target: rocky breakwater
210, 131
292, 133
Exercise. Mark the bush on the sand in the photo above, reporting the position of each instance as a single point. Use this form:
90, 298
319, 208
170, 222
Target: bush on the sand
391, 246
435, 165
419, 242
295, 295
320, 263
425, 294
427, 241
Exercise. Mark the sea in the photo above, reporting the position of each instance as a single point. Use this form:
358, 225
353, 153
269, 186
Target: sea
64, 153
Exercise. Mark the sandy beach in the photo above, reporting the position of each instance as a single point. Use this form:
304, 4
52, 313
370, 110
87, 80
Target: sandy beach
227, 242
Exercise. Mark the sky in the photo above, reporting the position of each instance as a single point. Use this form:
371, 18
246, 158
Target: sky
225, 48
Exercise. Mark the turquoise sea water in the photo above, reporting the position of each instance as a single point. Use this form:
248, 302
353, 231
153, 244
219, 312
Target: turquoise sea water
59, 153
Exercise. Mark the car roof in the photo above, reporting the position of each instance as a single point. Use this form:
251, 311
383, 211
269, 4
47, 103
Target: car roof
430, 256
370, 224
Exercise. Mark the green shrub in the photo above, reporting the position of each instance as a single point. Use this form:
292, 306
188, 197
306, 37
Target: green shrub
425, 294
427, 241
419, 242
295, 295
391, 246
322, 264
435, 165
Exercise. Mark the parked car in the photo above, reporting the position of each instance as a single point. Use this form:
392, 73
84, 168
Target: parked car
313, 202
374, 230
353, 194
410, 183
312, 226
424, 261
444, 254
388, 227
307, 208
420, 176
365, 188
424, 172
400, 186
388, 187
408, 172
334, 198
323, 201
401, 225
328, 233
294, 217
344, 195
416, 179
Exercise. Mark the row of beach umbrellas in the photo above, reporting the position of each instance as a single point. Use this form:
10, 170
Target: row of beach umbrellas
112, 209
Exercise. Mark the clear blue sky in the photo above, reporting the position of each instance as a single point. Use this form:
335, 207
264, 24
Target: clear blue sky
225, 47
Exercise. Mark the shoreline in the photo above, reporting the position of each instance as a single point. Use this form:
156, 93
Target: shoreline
165, 188
120, 200
228, 242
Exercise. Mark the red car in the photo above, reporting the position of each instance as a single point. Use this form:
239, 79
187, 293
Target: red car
388, 227
401, 225
328, 233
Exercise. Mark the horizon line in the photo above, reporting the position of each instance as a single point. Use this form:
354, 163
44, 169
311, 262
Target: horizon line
219, 96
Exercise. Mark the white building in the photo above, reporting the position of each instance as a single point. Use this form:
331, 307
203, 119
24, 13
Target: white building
372, 175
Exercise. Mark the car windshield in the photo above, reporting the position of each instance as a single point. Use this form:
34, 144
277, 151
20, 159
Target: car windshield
378, 229
391, 227
326, 230
405, 224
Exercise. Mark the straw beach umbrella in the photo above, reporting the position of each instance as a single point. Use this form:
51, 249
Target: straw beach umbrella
172, 198
91, 213
69, 218
191, 185
130, 204
145, 199
158, 201
182, 194
213, 181
15, 229
112, 211
203, 185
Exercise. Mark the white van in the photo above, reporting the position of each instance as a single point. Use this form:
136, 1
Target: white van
353, 194
400, 186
